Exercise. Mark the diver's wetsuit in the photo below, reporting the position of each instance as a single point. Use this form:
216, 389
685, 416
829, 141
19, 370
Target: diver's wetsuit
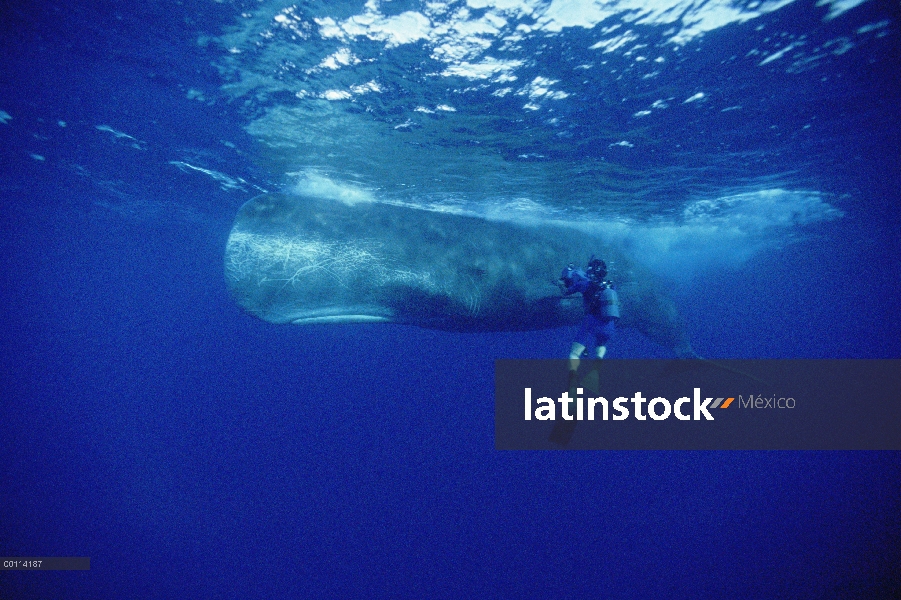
601, 307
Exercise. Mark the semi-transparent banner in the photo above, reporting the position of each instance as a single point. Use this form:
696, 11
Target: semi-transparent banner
698, 405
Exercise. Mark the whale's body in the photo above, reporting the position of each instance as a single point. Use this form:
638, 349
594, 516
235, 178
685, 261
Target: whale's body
302, 260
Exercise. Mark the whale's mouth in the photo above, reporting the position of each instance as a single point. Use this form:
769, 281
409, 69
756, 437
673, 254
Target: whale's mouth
341, 319
342, 314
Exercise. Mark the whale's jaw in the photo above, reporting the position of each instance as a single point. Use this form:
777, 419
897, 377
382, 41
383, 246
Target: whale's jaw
337, 314
341, 319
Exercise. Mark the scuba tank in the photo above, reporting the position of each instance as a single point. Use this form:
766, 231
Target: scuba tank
603, 301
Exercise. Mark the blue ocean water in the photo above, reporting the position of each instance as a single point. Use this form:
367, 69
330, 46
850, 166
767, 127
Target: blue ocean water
747, 153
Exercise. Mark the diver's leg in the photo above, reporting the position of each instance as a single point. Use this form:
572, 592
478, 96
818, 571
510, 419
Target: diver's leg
563, 429
602, 334
574, 355
583, 339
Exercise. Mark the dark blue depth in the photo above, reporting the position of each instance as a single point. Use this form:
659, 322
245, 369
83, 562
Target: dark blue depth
193, 451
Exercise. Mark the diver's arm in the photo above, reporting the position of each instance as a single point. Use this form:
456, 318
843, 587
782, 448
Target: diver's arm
564, 287
576, 282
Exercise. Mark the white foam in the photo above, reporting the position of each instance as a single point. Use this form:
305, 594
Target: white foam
405, 28
540, 88
461, 34
225, 181
135, 142
335, 95
115, 132
365, 88
695, 98
490, 68
873, 26
614, 43
839, 7
313, 183
575, 13
719, 232
342, 57
779, 54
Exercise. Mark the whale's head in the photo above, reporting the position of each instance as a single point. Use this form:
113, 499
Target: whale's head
303, 261
306, 279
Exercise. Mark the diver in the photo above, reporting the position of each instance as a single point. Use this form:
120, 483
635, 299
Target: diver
598, 325
601, 309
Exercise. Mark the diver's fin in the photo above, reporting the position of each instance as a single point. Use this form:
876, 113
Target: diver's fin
562, 432
734, 370
591, 383
682, 365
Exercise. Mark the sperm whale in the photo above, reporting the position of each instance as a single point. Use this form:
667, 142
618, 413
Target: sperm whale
301, 259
